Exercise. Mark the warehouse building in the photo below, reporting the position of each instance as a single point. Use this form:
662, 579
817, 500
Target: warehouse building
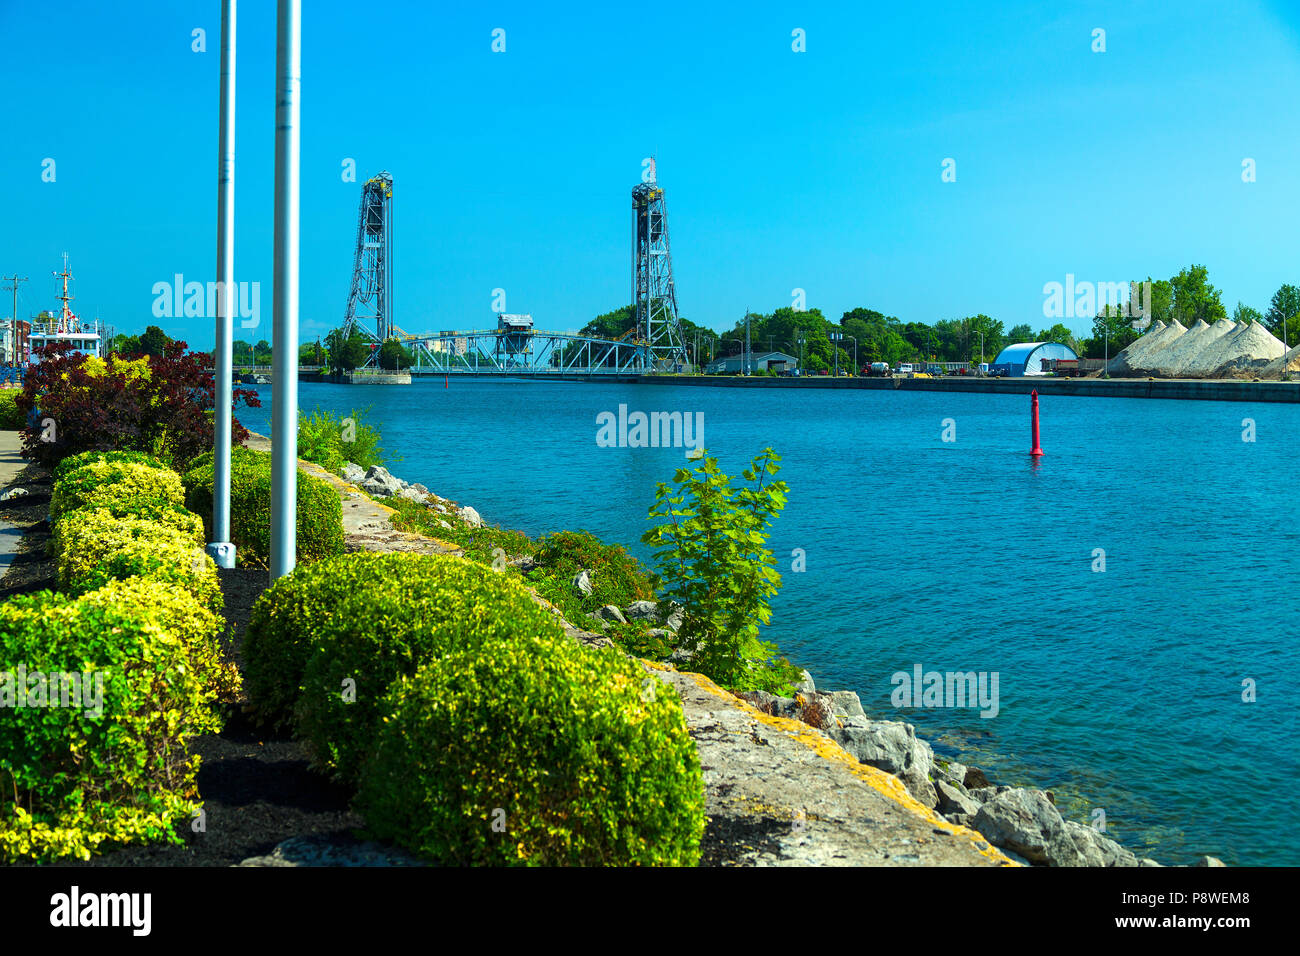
1026, 358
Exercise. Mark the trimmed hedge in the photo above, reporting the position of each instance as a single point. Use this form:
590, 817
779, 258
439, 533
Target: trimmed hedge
11, 418
106, 482
115, 768
81, 459
369, 618
535, 752
319, 515
176, 611
158, 510
99, 548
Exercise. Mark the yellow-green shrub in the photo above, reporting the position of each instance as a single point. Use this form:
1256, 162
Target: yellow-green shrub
100, 548
102, 482
157, 510
81, 459
368, 618
178, 613
538, 752
111, 770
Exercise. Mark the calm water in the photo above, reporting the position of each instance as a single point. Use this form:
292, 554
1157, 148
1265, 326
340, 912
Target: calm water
1119, 690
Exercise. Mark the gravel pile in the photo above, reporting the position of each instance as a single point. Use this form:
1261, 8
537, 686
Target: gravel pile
1288, 363
1244, 354
1131, 362
1172, 362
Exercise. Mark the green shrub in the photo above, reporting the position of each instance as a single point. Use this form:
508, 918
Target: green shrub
11, 417
102, 482
114, 769
177, 612
616, 577
319, 515
158, 510
81, 459
713, 559
99, 548
330, 439
535, 751
367, 618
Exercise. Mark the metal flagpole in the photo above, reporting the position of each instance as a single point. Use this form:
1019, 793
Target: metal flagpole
221, 549
284, 371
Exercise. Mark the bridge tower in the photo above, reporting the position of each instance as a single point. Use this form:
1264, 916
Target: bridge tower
657, 324
370, 303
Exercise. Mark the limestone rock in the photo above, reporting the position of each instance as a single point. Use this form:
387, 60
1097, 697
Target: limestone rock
953, 800
643, 611
846, 703
470, 517
611, 613
1026, 822
1209, 861
891, 746
352, 472
582, 581
378, 483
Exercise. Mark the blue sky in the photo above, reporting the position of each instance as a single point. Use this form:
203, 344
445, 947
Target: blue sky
818, 170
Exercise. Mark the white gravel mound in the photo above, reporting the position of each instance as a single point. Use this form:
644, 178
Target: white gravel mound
1248, 352
1172, 361
1288, 364
1131, 362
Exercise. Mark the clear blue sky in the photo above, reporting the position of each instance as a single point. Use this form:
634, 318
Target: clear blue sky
818, 170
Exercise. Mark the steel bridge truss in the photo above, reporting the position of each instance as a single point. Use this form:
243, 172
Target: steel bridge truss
370, 303
657, 323
493, 352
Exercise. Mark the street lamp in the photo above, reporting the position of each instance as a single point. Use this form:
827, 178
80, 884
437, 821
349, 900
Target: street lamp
855, 354
835, 337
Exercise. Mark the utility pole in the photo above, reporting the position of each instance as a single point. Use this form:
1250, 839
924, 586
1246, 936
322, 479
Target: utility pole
15, 280
747, 341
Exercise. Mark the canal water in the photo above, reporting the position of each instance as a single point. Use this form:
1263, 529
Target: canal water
1136, 591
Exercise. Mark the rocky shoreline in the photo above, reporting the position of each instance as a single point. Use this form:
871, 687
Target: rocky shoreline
1023, 822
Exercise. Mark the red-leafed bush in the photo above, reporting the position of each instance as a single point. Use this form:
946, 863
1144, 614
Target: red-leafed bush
161, 404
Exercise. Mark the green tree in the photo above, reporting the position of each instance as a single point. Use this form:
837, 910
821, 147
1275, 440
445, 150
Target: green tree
1285, 309
1244, 313
1195, 298
346, 353
394, 356
713, 561
1020, 333
152, 341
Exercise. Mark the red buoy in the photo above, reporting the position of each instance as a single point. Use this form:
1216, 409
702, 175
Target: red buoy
446, 380
1036, 452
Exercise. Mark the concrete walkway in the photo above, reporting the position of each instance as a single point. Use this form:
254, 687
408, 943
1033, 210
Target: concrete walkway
11, 463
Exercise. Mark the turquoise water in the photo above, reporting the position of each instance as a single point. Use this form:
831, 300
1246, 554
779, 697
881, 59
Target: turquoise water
1121, 690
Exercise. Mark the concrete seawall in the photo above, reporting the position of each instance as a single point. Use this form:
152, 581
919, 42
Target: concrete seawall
1215, 390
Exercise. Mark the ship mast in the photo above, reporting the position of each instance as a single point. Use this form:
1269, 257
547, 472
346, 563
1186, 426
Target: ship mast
65, 314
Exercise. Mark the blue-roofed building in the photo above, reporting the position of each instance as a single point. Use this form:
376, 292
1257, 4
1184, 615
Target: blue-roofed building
1026, 358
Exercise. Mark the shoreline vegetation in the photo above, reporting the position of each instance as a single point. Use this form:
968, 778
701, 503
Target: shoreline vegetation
371, 679
601, 588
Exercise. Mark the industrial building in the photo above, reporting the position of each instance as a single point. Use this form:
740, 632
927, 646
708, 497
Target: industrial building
758, 362
1028, 358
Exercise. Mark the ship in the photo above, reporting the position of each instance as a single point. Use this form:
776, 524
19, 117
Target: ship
85, 337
